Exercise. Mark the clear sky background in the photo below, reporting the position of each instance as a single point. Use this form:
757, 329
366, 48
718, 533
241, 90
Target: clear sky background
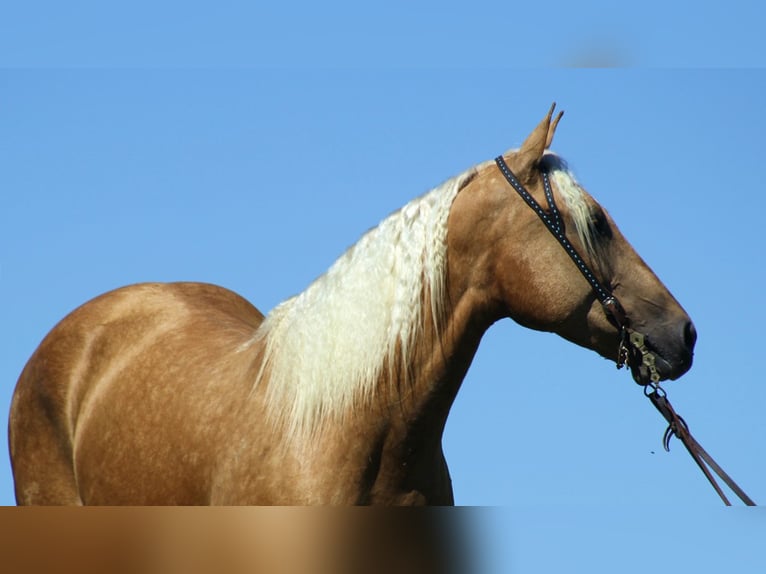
161, 144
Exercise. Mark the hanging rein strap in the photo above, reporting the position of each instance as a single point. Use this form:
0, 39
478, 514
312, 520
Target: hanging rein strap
678, 427
632, 347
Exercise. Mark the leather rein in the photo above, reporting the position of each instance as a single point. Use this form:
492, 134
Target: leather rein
632, 348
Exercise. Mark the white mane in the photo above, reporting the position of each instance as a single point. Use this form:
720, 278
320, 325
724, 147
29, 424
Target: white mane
327, 347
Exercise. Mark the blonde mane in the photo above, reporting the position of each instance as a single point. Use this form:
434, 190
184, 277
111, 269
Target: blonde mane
326, 348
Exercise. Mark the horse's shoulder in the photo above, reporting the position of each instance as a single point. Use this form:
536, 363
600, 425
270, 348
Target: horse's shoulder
206, 297
188, 298
152, 303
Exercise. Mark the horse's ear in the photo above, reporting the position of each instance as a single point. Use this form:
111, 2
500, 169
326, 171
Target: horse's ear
534, 146
554, 124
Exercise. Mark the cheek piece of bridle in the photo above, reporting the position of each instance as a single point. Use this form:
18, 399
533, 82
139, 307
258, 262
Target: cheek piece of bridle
632, 349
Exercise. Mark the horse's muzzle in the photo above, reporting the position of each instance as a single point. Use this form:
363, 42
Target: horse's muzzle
673, 350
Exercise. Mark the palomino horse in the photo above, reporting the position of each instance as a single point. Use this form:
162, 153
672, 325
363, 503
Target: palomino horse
185, 393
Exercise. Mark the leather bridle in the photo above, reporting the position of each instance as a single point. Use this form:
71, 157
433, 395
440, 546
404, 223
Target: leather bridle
632, 350
632, 346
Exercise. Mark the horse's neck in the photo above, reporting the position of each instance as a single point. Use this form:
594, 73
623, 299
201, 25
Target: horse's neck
426, 385
361, 333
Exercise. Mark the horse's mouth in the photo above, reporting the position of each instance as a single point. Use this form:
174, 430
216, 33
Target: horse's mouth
643, 375
667, 369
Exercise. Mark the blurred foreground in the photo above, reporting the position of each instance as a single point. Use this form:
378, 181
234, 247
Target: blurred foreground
233, 540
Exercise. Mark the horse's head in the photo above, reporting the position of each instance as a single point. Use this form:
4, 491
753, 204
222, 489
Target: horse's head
515, 266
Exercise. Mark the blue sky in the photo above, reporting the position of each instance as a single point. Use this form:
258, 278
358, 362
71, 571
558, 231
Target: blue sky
394, 33
143, 146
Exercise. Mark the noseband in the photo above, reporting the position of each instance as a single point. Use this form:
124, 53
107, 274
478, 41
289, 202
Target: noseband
632, 348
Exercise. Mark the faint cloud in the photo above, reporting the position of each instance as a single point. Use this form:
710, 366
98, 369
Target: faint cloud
598, 52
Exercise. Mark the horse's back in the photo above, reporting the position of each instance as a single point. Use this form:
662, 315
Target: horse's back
109, 373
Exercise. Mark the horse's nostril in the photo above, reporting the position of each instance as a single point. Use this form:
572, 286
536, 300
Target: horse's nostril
690, 335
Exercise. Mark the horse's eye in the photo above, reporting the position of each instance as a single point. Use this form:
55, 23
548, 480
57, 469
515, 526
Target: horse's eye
600, 224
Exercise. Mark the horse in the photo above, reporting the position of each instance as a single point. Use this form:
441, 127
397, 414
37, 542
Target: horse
186, 394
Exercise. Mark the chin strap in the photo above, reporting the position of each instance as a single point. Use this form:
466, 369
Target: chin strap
678, 427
